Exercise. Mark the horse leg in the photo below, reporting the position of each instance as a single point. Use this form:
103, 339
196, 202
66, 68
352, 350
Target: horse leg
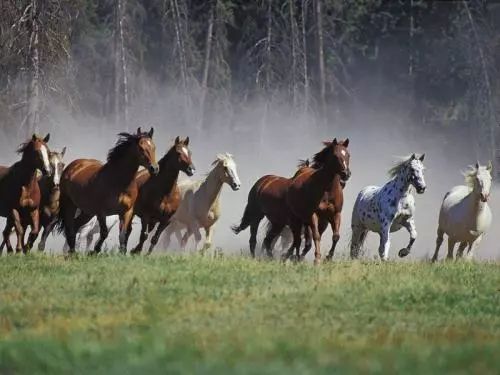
451, 245
357, 239
35, 229
439, 241
185, 238
19, 230
472, 247
461, 248
125, 222
335, 224
143, 236
308, 242
161, 226
272, 233
254, 227
385, 242
209, 231
296, 227
197, 238
167, 233
69, 225
103, 233
6, 234
316, 238
410, 227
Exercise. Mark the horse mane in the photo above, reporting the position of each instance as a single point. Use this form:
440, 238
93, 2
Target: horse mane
319, 159
165, 157
222, 157
303, 163
398, 167
469, 176
122, 144
23, 147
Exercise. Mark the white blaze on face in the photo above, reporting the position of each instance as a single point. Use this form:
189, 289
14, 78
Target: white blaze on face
233, 174
57, 176
45, 158
185, 151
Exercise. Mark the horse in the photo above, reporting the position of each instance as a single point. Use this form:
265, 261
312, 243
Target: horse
101, 190
20, 193
49, 188
200, 202
159, 196
289, 201
465, 215
329, 212
389, 208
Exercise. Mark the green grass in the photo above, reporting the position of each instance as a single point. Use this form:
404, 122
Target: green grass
121, 315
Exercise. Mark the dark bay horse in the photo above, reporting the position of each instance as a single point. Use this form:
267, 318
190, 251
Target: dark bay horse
159, 196
101, 190
20, 193
307, 190
289, 201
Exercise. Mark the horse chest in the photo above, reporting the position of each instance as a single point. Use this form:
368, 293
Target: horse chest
28, 198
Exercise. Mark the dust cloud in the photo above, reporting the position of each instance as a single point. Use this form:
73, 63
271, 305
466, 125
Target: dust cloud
378, 136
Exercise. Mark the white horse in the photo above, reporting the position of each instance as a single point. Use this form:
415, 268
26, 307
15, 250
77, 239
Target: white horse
88, 230
199, 207
465, 215
388, 208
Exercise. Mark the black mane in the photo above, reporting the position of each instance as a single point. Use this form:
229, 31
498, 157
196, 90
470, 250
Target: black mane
123, 143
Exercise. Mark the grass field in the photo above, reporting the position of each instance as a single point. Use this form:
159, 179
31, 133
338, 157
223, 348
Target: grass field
118, 315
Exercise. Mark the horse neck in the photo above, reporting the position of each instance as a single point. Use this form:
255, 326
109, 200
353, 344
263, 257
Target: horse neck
321, 180
398, 186
474, 202
121, 171
166, 178
211, 187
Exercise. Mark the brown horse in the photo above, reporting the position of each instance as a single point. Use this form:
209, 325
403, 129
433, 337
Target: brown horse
49, 203
288, 201
100, 190
19, 191
159, 196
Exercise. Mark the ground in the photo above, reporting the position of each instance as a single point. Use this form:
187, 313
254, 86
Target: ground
116, 315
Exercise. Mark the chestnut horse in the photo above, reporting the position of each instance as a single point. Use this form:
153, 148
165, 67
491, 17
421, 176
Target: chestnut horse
19, 191
159, 196
293, 201
105, 189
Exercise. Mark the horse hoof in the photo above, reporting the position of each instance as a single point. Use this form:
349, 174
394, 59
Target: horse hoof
317, 262
404, 252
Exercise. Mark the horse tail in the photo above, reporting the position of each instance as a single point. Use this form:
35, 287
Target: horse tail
251, 211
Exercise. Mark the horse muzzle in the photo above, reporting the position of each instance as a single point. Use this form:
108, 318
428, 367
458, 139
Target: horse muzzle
235, 186
153, 169
190, 170
484, 197
345, 175
421, 189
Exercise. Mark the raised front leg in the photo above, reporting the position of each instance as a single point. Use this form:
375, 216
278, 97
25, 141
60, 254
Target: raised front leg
410, 227
335, 224
385, 242
161, 227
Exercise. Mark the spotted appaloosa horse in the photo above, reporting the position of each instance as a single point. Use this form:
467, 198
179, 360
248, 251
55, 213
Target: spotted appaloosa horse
20, 193
388, 208
102, 190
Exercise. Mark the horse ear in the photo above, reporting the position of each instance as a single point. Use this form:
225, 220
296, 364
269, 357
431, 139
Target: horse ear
334, 141
139, 131
346, 142
490, 166
413, 157
477, 164
422, 157
63, 151
33, 137
151, 132
177, 140
186, 141
47, 137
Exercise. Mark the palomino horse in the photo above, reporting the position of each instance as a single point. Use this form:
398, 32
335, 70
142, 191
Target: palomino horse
49, 188
329, 212
388, 208
465, 215
200, 202
159, 196
20, 193
105, 189
288, 201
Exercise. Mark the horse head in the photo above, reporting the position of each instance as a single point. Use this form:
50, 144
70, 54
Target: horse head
146, 150
36, 152
336, 155
183, 155
479, 178
227, 170
57, 165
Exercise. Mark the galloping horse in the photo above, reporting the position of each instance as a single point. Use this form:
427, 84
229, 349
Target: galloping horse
465, 215
329, 212
105, 189
200, 206
293, 201
20, 193
388, 208
49, 188
159, 195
